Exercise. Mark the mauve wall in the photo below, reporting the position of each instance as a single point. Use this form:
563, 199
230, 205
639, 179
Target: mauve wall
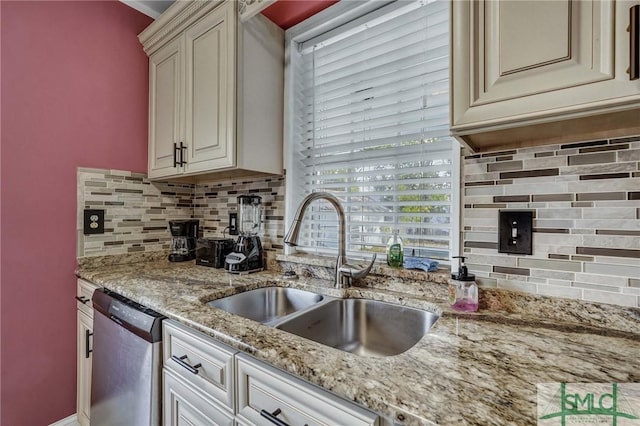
74, 93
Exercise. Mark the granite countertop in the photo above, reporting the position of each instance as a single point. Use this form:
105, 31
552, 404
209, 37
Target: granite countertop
469, 369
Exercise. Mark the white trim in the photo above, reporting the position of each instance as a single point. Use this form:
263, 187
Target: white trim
456, 199
330, 18
67, 421
348, 29
247, 9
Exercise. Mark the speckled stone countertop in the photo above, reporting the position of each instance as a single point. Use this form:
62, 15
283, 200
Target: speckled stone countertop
469, 369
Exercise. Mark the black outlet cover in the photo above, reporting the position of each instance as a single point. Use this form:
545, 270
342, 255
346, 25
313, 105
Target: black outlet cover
522, 221
93, 221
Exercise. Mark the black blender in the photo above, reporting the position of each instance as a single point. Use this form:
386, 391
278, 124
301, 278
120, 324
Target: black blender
247, 255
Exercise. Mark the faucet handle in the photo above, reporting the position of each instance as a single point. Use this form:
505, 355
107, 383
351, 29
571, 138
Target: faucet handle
355, 271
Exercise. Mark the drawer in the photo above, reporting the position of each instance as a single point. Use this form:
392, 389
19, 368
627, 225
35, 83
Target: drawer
262, 387
186, 349
84, 293
183, 405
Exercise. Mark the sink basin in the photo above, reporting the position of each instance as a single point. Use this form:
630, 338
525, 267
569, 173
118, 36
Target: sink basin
363, 327
267, 304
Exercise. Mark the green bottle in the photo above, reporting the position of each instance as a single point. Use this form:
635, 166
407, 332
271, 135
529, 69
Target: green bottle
395, 257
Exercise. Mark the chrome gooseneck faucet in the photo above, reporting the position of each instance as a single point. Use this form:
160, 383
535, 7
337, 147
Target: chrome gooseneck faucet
344, 272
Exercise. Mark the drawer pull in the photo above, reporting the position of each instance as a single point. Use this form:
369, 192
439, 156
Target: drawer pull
82, 299
272, 417
181, 360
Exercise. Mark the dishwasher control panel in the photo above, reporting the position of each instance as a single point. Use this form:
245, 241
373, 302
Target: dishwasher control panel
140, 320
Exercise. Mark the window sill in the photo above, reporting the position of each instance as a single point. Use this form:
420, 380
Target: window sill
380, 269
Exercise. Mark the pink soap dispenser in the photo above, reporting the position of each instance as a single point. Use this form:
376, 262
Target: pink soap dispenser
463, 291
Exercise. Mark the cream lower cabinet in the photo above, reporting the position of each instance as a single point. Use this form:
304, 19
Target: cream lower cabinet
84, 345
198, 378
527, 63
208, 383
215, 91
264, 391
185, 405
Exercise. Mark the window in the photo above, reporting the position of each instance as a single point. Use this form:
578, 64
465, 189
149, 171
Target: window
369, 122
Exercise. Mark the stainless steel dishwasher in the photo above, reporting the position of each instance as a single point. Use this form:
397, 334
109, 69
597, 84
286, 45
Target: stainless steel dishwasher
127, 362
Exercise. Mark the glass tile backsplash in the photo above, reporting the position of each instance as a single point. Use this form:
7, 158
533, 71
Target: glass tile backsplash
586, 233
137, 209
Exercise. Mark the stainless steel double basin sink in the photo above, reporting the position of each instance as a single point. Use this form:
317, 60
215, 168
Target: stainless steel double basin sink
360, 326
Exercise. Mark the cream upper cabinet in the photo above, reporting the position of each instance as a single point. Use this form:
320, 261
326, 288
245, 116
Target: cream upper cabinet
210, 95
521, 69
216, 92
165, 89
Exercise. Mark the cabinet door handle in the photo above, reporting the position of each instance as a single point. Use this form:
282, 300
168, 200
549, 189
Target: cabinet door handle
181, 360
175, 155
87, 347
82, 299
183, 149
634, 42
272, 417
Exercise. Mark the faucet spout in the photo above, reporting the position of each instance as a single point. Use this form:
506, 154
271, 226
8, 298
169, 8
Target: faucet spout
292, 236
343, 275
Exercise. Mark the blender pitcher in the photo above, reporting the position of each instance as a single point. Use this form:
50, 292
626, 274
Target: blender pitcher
250, 214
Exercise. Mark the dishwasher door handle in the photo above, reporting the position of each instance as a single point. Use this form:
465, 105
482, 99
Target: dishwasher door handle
116, 320
181, 360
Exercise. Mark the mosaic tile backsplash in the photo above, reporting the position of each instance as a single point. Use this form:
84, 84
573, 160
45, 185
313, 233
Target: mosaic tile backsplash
137, 210
585, 198
214, 200
586, 203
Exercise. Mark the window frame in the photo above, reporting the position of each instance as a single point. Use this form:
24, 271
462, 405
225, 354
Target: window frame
324, 23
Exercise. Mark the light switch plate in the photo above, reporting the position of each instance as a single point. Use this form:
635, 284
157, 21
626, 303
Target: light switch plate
233, 223
515, 231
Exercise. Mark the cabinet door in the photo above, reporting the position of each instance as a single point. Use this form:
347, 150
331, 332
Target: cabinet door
526, 60
185, 406
84, 344
166, 88
210, 91
528, 47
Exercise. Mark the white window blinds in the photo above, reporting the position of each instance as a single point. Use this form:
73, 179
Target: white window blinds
371, 126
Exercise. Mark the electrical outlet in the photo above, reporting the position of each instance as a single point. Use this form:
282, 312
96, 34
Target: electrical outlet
233, 223
93, 221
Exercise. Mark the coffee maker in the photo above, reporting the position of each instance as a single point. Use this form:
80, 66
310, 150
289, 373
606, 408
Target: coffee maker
247, 256
184, 234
